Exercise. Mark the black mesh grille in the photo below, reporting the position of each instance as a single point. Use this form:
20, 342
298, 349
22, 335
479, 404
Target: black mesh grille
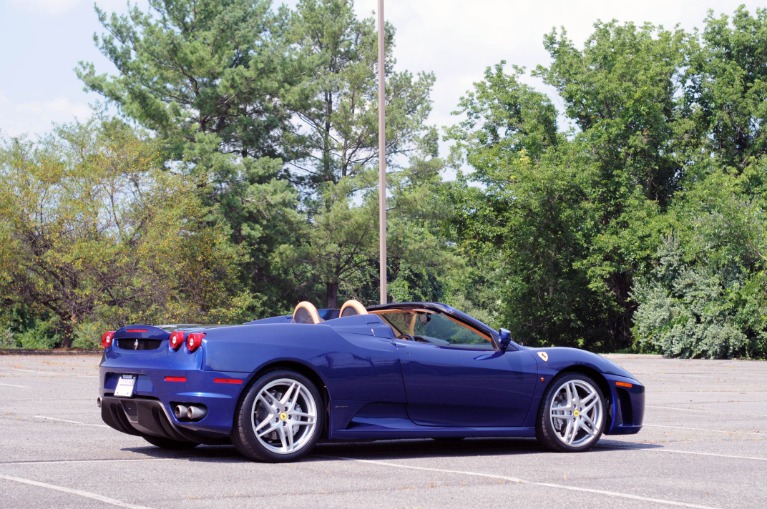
138, 344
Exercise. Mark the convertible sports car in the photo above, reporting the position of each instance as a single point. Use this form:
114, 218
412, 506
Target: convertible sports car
274, 387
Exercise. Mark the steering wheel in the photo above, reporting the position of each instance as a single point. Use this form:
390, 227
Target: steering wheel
406, 337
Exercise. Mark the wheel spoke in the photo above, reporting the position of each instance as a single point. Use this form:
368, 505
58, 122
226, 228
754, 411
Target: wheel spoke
310, 419
273, 427
586, 425
289, 394
266, 420
589, 402
284, 437
569, 391
294, 400
569, 432
269, 404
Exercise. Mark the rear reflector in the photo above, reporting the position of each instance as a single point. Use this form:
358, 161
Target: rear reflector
624, 384
235, 381
175, 379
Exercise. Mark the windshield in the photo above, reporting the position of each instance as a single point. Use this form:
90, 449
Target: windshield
421, 324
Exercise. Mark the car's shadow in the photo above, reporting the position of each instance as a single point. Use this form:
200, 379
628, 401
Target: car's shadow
391, 449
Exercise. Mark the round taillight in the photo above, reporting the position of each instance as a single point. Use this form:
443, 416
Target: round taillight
176, 339
107, 338
194, 340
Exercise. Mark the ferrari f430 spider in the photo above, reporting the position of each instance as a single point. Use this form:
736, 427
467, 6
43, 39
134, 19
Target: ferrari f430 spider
274, 387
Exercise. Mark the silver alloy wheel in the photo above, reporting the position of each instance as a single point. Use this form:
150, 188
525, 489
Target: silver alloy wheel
284, 416
576, 413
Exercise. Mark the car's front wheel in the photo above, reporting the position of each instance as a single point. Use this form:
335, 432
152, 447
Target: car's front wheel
279, 419
572, 415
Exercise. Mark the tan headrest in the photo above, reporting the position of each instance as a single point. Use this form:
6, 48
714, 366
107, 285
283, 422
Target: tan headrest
351, 308
305, 312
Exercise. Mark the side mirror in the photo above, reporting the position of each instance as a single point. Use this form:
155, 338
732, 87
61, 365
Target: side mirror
505, 339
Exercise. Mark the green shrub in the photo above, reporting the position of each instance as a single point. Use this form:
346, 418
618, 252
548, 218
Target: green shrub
87, 335
44, 334
7, 339
690, 310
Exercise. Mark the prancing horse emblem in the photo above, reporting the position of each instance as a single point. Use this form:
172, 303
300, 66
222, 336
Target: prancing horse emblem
544, 356
135, 345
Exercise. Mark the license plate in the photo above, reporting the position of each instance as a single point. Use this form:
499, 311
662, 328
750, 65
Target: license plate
125, 385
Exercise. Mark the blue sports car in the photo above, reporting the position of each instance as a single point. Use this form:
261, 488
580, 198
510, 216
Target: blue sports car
274, 387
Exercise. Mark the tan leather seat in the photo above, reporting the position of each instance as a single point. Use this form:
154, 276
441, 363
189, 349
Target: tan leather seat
305, 312
351, 308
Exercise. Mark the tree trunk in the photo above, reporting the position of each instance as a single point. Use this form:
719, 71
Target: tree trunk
67, 333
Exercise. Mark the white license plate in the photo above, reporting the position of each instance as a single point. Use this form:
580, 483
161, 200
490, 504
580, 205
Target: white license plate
125, 385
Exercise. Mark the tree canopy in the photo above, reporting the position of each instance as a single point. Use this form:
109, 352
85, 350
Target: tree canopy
239, 177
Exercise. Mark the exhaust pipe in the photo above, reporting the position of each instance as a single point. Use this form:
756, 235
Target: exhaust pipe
98, 402
180, 411
195, 413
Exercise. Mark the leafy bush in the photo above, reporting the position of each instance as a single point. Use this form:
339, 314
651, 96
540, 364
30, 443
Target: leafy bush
87, 335
44, 334
691, 311
7, 339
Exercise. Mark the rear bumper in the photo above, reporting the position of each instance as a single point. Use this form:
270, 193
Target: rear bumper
159, 388
142, 416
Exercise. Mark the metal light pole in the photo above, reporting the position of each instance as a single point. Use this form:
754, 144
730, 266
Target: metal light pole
381, 152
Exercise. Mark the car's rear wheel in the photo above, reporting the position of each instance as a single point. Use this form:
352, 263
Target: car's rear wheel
279, 419
167, 443
572, 415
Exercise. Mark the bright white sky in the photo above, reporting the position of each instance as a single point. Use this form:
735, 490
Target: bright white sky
41, 42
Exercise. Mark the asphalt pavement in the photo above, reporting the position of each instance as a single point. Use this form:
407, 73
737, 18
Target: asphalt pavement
704, 444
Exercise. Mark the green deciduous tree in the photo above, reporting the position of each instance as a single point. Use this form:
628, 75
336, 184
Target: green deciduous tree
621, 90
94, 230
727, 91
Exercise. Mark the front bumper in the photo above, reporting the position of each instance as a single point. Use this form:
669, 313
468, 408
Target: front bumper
628, 400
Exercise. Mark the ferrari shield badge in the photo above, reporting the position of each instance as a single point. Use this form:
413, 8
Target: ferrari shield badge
544, 356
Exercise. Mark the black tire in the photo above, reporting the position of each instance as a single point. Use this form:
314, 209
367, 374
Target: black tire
167, 443
572, 415
279, 419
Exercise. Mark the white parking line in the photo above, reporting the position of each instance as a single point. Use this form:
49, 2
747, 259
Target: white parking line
80, 493
533, 483
51, 373
707, 429
17, 386
70, 422
714, 454
36, 371
682, 409
679, 451
101, 460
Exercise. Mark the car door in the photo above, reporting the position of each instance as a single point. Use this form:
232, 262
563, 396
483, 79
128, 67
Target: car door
454, 376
